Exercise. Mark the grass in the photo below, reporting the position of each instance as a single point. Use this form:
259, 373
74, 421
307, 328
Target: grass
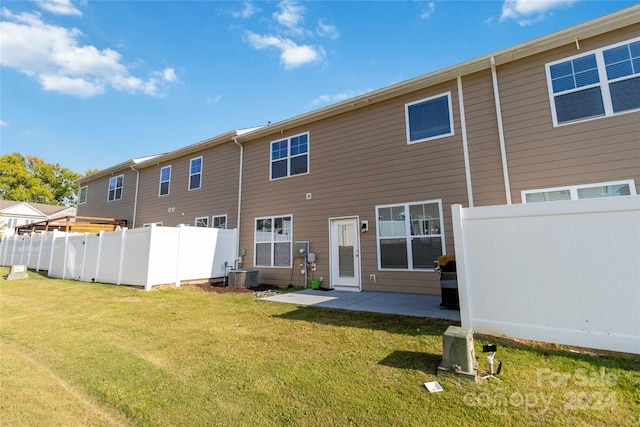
75, 353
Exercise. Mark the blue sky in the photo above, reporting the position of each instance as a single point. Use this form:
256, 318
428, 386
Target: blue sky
90, 84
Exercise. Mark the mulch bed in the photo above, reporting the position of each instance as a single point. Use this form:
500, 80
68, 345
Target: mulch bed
221, 289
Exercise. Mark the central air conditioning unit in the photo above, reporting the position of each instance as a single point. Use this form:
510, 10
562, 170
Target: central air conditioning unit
458, 353
243, 278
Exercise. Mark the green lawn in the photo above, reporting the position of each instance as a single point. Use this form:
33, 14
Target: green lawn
75, 353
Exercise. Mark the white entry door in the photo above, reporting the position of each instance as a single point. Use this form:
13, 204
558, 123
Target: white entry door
345, 254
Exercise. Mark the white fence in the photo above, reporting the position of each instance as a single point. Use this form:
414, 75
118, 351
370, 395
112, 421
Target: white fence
146, 257
560, 272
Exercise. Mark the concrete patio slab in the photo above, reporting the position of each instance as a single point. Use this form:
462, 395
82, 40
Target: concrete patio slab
375, 302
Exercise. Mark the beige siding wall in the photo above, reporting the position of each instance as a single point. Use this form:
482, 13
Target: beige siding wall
217, 195
483, 140
97, 204
357, 161
541, 156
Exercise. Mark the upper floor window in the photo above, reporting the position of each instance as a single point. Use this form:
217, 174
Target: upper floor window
429, 118
82, 195
583, 191
202, 221
115, 188
273, 238
219, 221
410, 235
290, 156
195, 173
165, 180
600, 83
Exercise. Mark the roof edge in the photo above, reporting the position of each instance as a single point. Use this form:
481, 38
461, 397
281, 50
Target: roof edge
591, 28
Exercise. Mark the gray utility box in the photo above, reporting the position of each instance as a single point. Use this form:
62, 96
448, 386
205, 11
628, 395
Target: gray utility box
243, 278
458, 353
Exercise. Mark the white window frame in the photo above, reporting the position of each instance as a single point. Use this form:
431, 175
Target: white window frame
289, 157
603, 84
573, 189
408, 236
202, 220
422, 101
152, 224
168, 181
115, 188
83, 190
272, 241
217, 217
191, 174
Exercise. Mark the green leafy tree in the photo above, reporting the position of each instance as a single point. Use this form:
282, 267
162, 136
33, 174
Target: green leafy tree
31, 179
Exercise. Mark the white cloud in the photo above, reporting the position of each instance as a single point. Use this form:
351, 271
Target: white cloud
53, 55
3, 123
169, 75
247, 11
428, 10
213, 100
59, 7
292, 55
329, 99
71, 86
526, 12
290, 15
327, 30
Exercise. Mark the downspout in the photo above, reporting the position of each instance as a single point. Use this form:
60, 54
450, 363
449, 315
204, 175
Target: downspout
235, 139
135, 200
503, 149
465, 144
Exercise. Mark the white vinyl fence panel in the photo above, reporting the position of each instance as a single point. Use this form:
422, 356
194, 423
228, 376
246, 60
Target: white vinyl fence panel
146, 257
560, 272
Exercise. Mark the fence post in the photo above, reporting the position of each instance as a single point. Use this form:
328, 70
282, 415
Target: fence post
178, 256
464, 295
30, 248
13, 250
152, 233
123, 238
98, 256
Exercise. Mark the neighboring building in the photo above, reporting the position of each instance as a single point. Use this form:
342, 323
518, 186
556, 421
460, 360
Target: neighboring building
370, 182
14, 214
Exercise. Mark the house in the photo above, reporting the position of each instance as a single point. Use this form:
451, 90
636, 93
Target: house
14, 214
369, 182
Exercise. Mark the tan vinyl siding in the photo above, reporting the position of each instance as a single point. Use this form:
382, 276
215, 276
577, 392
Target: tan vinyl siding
541, 155
217, 195
358, 161
483, 140
97, 192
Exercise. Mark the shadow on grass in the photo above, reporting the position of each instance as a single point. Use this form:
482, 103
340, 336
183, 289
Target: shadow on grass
598, 359
413, 360
392, 323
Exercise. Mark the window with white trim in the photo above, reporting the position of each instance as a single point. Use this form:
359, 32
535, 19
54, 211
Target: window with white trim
202, 221
429, 118
600, 83
115, 188
219, 221
151, 224
165, 181
582, 191
290, 156
82, 195
410, 235
195, 173
273, 237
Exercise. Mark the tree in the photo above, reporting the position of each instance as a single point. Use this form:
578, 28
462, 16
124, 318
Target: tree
31, 179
